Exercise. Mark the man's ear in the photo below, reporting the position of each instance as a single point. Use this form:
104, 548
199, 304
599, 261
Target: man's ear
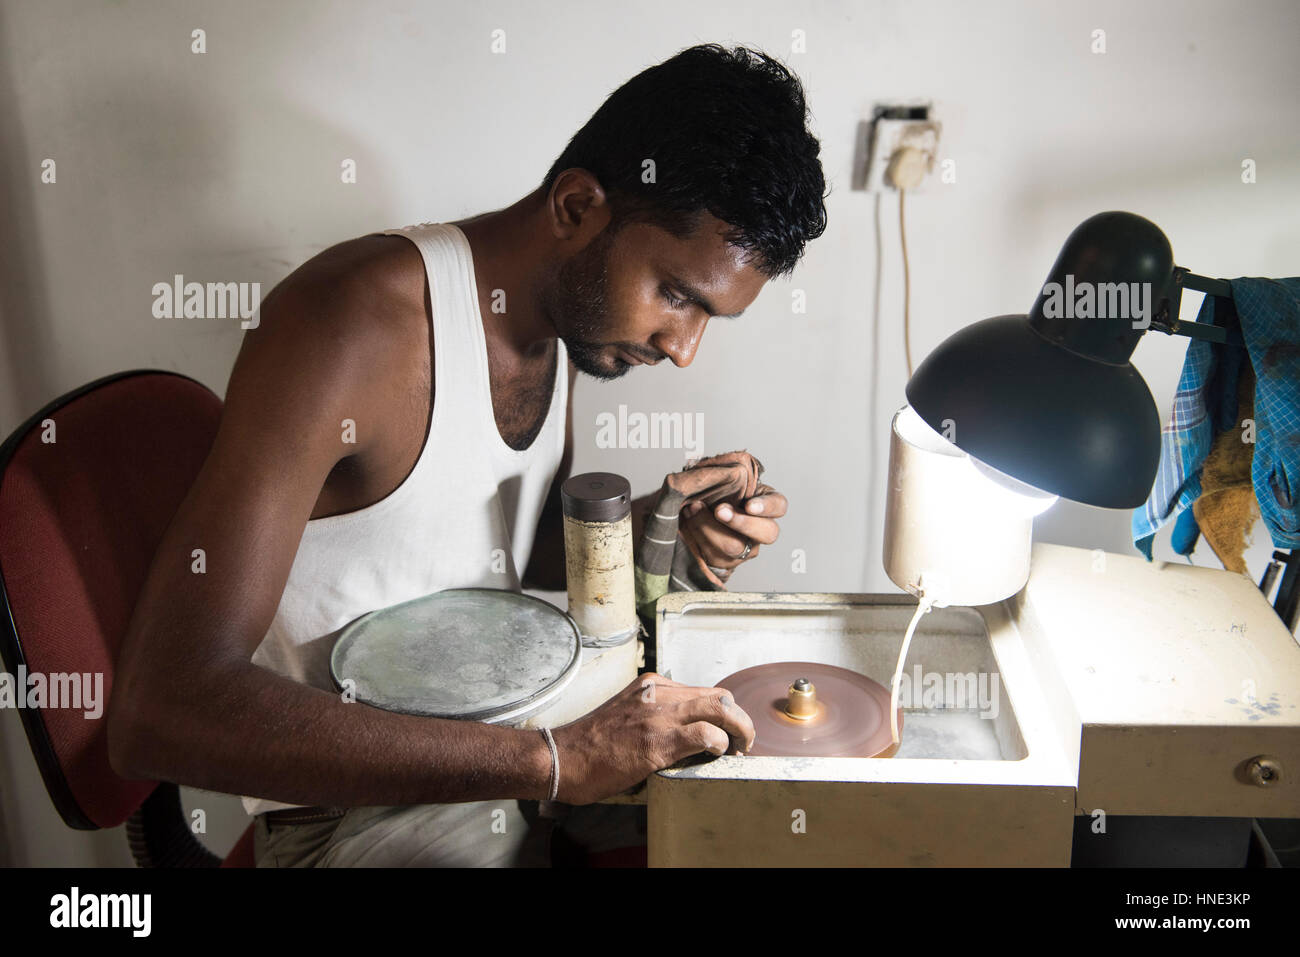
577, 207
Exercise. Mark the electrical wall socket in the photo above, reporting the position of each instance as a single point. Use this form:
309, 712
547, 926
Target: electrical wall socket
895, 126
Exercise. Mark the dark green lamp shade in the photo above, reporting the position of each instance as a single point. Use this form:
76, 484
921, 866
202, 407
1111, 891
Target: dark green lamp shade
1079, 428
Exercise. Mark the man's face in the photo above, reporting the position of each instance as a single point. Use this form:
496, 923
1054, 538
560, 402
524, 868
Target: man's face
641, 294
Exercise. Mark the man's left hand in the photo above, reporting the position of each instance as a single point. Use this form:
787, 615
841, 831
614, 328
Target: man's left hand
727, 535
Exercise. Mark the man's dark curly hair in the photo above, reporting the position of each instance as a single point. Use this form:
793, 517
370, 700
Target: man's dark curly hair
726, 130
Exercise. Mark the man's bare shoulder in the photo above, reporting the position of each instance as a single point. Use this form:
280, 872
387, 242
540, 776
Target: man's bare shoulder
379, 279
338, 336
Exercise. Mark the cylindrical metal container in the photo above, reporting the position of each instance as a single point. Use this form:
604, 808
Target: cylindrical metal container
501, 657
598, 556
952, 529
473, 654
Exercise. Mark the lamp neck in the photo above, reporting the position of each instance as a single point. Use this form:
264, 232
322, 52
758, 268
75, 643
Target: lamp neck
1113, 277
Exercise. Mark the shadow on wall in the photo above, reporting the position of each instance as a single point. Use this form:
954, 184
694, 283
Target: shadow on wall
24, 309
152, 184
154, 179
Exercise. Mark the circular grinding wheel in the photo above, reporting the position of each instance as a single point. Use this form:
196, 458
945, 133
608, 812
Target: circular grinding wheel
848, 713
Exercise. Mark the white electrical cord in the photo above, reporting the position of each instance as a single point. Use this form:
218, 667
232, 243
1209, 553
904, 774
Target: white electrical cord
907, 285
924, 604
905, 171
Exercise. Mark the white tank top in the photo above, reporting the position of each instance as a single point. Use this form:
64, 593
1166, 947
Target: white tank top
464, 517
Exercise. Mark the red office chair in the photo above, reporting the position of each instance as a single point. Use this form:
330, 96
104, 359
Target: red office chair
88, 485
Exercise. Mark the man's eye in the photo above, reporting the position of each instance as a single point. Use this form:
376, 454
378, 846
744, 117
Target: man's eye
675, 301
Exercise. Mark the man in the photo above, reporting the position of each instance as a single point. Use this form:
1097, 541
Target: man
389, 423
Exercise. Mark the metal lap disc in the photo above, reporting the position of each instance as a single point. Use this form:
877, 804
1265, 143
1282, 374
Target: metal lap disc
471, 653
850, 711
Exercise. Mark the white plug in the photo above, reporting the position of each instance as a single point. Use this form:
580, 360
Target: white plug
890, 137
907, 167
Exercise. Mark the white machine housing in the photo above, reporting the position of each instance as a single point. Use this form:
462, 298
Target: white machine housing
1123, 686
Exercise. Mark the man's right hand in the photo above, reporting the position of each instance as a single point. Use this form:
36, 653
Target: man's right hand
649, 725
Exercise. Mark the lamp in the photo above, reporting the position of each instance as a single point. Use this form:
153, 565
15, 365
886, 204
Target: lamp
1051, 398
956, 531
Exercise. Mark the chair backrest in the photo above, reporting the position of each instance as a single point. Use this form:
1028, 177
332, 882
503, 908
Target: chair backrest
88, 485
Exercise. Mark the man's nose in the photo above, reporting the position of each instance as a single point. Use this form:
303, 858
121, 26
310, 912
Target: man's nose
681, 342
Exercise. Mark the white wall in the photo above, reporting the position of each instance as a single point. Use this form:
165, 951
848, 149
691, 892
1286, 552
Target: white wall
225, 166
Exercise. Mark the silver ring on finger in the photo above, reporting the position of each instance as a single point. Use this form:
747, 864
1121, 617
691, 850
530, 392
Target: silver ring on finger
749, 546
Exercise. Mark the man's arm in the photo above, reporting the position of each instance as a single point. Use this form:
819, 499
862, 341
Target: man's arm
188, 705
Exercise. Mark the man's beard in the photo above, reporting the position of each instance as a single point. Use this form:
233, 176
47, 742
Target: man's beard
576, 302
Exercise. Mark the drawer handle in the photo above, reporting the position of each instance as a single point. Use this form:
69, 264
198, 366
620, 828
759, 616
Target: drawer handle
1264, 770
